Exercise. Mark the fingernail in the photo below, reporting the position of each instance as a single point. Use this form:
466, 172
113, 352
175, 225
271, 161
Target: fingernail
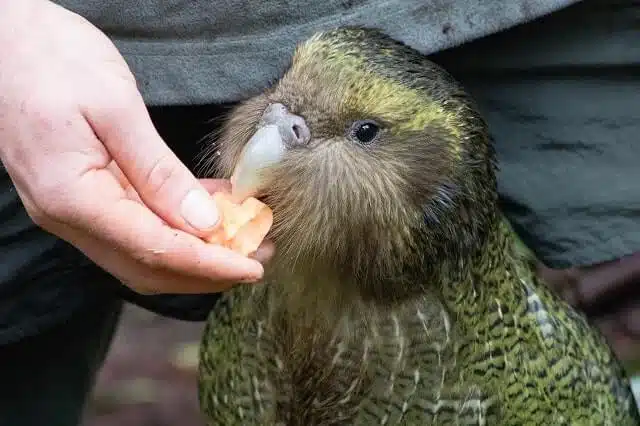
199, 210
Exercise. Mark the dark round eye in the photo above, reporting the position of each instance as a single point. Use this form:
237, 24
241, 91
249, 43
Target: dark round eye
365, 131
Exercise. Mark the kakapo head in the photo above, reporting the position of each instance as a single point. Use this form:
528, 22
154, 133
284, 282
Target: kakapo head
375, 161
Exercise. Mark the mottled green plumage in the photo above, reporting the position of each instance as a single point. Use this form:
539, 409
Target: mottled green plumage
399, 295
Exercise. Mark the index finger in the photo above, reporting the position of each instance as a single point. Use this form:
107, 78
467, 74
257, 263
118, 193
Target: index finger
132, 228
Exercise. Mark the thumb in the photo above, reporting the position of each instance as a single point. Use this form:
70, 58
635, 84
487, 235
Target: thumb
161, 180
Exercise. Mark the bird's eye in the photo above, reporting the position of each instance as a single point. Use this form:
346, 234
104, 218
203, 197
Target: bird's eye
365, 132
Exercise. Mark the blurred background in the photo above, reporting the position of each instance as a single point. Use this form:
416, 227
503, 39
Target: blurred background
149, 376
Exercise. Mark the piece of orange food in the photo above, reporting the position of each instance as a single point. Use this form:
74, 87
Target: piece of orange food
243, 225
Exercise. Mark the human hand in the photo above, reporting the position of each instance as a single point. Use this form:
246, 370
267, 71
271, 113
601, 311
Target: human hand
88, 165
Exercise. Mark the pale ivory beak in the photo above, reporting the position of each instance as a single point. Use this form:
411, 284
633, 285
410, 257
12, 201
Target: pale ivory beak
278, 130
265, 148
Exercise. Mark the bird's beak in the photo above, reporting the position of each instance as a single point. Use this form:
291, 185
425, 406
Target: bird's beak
277, 131
265, 148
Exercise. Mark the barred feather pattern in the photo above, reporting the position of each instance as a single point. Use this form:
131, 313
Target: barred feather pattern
496, 349
397, 295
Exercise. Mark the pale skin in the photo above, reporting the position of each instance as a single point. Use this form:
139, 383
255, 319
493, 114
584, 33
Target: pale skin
89, 166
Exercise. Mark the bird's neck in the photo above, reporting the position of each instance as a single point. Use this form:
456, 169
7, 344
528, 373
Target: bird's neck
318, 301
496, 281
322, 299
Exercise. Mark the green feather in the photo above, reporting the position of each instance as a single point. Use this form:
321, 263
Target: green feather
480, 341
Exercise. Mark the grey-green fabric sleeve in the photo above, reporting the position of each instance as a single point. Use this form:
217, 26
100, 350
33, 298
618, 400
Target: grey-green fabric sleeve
208, 51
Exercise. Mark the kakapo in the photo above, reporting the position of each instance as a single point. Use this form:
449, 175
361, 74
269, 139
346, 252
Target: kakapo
398, 294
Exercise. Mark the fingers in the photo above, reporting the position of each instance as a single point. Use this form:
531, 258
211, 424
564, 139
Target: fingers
161, 180
622, 331
110, 218
607, 294
140, 277
130, 228
609, 283
130, 191
113, 196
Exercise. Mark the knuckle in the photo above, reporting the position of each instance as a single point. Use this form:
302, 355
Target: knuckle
161, 172
50, 204
44, 115
124, 95
42, 122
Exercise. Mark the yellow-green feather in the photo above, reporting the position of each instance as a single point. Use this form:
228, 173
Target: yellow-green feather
370, 94
494, 346
496, 349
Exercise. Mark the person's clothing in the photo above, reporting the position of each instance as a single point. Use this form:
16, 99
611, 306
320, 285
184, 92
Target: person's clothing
45, 379
560, 91
205, 51
561, 95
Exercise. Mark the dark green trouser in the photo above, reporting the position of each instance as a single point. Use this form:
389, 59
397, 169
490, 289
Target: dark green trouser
45, 379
